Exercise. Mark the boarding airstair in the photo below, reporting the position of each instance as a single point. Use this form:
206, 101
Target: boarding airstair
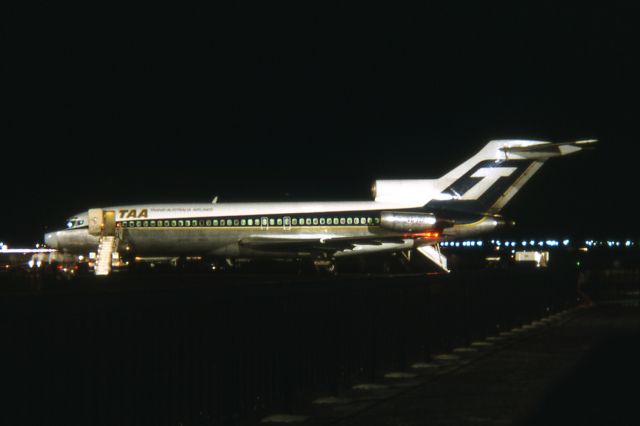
432, 252
106, 247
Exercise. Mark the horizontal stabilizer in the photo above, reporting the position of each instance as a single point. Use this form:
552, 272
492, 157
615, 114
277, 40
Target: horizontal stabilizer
544, 150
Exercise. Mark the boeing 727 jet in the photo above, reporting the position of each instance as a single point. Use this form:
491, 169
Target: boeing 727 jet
404, 215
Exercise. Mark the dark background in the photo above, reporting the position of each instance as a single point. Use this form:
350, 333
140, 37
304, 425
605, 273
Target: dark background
111, 106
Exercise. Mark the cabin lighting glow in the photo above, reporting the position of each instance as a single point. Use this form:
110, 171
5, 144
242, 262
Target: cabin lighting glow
479, 243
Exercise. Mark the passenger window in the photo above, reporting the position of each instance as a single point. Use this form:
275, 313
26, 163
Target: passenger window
138, 224
322, 221
174, 223
243, 222
145, 223
287, 221
315, 220
236, 222
294, 221
362, 221
272, 222
308, 221
369, 221
349, 221
279, 221
250, 222
124, 224
208, 222
181, 223
342, 221
152, 223
377, 220
356, 221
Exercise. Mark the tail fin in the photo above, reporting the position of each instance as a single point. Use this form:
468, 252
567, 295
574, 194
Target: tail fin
487, 181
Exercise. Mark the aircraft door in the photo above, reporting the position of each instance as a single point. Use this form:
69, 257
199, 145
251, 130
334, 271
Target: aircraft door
102, 222
95, 221
109, 222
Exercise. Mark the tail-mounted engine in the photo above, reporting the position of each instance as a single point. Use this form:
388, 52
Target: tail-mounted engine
408, 221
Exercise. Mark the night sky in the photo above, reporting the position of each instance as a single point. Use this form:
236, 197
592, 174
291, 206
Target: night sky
108, 107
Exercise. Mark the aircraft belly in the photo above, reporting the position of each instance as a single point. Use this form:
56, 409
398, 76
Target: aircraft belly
183, 242
224, 243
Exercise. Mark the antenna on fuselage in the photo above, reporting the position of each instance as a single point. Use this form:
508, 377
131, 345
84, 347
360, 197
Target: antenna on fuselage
215, 200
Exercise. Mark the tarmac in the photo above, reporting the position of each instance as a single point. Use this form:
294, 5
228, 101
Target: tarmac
580, 367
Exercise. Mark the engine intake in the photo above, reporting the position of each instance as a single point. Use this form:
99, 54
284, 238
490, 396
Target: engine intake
407, 222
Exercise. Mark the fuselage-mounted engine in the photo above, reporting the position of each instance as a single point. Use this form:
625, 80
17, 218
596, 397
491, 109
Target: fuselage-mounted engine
408, 221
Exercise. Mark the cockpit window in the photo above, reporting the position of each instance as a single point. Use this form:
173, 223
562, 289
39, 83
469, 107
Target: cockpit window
74, 222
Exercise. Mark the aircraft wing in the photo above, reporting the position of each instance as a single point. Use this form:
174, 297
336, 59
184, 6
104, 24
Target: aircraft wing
328, 244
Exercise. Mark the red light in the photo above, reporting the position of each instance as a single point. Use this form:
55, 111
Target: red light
424, 235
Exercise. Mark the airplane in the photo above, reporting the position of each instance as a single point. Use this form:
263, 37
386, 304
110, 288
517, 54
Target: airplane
404, 215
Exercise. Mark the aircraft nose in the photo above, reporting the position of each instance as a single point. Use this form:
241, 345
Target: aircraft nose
51, 240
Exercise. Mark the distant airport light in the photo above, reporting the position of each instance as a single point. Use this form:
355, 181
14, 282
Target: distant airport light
498, 243
532, 242
479, 243
565, 242
628, 243
524, 243
457, 244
